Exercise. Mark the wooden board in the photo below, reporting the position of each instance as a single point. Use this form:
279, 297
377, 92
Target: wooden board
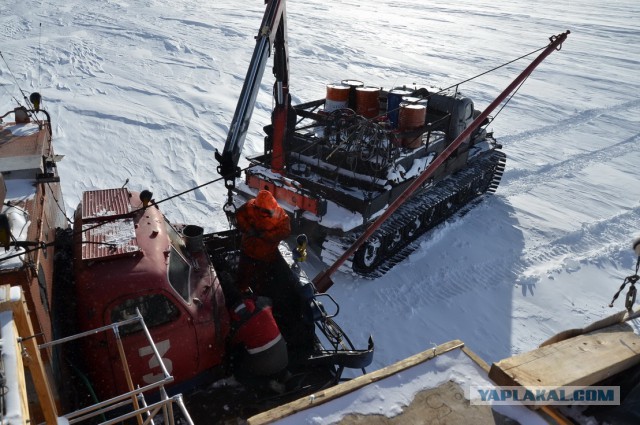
12, 299
579, 361
16, 390
350, 386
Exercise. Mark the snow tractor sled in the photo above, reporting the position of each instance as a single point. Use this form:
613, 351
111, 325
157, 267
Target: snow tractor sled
349, 159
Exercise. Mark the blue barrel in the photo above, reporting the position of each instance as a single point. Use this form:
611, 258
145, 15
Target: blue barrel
394, 99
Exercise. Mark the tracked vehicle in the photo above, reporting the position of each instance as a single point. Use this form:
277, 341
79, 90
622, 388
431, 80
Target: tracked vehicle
350, 168
413, 156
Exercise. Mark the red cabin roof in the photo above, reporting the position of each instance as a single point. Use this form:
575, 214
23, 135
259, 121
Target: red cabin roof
104, 234
123, 249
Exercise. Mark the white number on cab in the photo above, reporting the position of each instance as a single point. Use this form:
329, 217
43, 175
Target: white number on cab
163, 347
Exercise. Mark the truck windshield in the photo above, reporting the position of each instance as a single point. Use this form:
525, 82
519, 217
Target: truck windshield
179, 268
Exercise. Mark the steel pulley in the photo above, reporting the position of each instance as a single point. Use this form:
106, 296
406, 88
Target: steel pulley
230, 210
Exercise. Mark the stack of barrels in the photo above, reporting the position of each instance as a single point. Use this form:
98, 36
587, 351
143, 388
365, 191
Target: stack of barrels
353, 94
404, 113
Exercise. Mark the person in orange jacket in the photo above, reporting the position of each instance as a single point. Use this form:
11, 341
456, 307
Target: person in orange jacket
263, 224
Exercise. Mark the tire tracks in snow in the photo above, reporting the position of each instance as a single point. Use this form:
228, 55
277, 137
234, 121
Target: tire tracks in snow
521, 181
571, 122
525, 181
592, 243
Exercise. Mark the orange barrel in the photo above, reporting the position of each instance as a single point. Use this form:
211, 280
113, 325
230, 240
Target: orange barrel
411, 117
367, 101
353, 84
394, 99
337, 97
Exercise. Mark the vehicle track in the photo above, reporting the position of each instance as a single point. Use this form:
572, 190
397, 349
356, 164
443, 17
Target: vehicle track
569, 123
525, 181
591, 244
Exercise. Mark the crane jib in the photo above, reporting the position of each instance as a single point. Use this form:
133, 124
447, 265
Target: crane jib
273, 19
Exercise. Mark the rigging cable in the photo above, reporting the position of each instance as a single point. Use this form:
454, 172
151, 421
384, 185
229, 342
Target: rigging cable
442, 90
456, 85
24, 96
58, 204
40, 57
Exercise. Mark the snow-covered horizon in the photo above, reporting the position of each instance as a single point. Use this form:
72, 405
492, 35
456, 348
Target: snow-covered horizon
146, 91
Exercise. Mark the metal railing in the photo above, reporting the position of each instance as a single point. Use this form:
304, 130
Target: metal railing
144, 413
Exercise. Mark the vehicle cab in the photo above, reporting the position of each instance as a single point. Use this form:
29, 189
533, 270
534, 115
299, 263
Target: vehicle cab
128, 256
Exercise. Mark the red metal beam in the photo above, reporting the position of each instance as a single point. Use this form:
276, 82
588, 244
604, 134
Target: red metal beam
323, 280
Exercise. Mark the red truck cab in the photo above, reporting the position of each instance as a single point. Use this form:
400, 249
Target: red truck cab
128, 256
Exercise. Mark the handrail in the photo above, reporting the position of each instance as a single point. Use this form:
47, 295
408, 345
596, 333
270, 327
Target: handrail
134, 396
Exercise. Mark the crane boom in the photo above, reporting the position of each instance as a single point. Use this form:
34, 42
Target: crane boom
272, 33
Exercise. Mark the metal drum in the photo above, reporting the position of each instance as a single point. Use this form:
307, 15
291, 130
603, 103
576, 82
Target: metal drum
337, 97
367, 101
411, 117
394, 99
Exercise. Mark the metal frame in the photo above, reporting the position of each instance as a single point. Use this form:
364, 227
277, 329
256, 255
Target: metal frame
135, 397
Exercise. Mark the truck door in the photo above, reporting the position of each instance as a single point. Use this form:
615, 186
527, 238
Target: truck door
172, 330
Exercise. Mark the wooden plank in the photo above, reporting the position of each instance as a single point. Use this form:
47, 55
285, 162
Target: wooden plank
15, 396
476, 359
619, 317
579, 361
352, 385
18, 305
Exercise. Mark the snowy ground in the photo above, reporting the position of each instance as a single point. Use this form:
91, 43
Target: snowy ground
145, 91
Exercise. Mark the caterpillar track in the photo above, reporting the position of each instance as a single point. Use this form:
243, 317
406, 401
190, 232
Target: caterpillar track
396, 239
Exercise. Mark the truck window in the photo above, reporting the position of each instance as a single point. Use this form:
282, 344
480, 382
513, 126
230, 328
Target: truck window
179, 267
156, 310
179, 273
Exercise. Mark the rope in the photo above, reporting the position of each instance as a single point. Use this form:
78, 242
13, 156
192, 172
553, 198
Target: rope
494, 69
229, 207
509, 99
456, 85
357, 124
